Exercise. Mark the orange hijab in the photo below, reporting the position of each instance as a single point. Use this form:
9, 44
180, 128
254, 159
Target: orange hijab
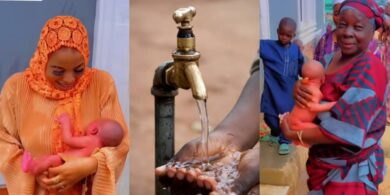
60, 31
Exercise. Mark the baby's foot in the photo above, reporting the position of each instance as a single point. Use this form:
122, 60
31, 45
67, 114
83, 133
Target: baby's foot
33, 166
26, 161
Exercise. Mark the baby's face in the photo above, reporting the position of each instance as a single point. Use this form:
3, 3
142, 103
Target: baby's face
93, 128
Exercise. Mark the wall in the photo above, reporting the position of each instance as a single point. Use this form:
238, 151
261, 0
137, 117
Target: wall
21, 24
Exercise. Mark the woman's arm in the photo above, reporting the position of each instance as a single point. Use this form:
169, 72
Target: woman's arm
308, 136
110, 159
107, 163
358, 111
242, 122
11, 148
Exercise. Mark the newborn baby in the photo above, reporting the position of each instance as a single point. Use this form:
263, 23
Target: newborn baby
302, 118
99, 133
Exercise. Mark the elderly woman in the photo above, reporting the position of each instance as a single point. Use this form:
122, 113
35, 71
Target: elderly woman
58, 80
345, 156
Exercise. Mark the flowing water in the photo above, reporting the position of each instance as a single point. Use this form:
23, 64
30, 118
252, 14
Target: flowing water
225, 173
205, 132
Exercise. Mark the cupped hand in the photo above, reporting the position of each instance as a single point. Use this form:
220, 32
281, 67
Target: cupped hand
187, 181
249, 173
218, 146
65, 176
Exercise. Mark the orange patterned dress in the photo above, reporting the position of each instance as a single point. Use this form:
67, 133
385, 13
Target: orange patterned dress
29, 105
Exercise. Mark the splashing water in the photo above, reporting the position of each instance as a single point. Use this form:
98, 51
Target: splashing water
225, 174
205, 132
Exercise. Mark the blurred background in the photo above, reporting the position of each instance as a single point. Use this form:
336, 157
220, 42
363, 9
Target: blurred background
227, 35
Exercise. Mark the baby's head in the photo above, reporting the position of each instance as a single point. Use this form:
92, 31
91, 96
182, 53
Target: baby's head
313, 70
109, 131
286, 30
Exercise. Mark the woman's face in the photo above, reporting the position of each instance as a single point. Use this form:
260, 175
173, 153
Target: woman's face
354, 32
336, 13
64, 68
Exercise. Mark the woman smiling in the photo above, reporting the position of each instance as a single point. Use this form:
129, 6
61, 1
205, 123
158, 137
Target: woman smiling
58, 80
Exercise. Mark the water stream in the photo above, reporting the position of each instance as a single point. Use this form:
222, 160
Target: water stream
222, 167
205, 132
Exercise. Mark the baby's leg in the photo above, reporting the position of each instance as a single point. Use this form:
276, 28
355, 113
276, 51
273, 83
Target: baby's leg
43, 163
26, 161
297, 125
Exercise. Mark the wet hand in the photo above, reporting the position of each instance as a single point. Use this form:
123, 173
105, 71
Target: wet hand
248, 169
72, 171
189, 180
219, 145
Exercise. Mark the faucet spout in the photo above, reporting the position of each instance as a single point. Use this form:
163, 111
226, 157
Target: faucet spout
195, 81
184, 72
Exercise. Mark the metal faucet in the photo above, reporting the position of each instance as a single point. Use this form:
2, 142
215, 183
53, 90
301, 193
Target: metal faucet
183, 73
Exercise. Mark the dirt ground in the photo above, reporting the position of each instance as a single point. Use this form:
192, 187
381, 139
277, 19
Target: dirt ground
227, 33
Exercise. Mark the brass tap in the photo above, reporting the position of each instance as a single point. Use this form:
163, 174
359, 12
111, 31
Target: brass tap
184, 73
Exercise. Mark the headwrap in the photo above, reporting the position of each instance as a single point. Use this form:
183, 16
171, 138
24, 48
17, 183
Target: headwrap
60, 31
367, 7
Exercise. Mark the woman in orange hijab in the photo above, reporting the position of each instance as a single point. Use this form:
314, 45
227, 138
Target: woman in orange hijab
58, 80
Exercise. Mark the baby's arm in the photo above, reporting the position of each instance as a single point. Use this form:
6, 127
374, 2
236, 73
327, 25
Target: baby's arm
318, 107
74, 142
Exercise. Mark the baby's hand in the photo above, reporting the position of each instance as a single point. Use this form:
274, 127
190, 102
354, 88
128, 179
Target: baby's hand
64, 118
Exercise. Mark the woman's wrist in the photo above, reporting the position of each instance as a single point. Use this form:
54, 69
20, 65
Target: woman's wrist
229, 139
92, 165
